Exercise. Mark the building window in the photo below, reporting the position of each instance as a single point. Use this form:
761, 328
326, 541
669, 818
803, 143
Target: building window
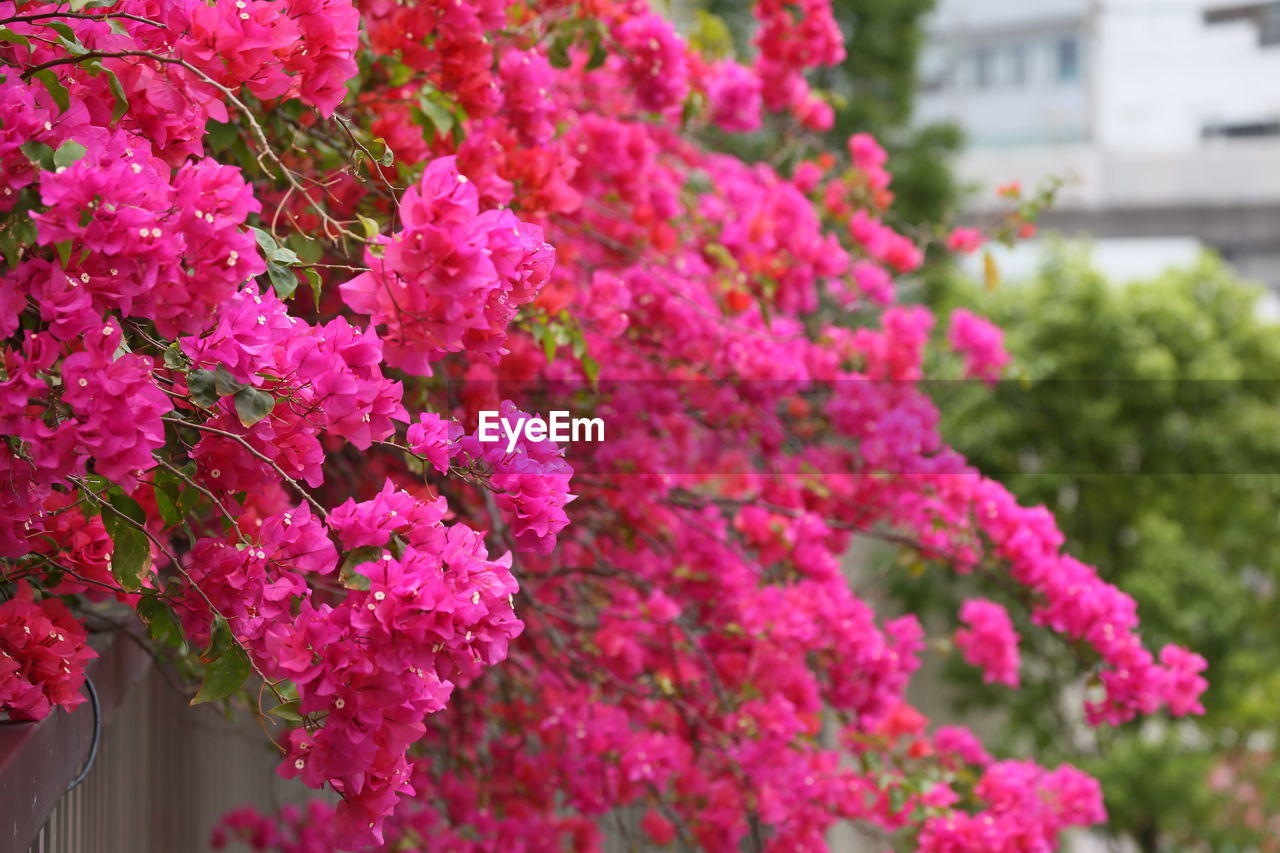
1265, 16
984, 68
1269, 27
935, 70
1242, 129
1067, 60
1013, 70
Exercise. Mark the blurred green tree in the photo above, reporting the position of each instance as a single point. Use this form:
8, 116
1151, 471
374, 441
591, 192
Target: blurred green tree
1147, 418
872, 91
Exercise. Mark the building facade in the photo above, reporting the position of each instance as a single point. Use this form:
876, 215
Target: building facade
1163, 116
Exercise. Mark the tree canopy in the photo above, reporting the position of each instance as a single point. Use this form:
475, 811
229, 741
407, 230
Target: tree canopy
1146, 416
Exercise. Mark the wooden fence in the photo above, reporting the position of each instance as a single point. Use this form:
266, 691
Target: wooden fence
164, 772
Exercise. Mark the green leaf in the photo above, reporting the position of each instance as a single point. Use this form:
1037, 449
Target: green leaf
167, 503
66, 37
222, 137
352, 579
200, 384
549, 344
126, 506
9, 247
224, 383
68, 152
89, 508
313, 279
131, 548
397, 72
596, 53
370, 226
272, 250
207, 386
721, 255
117, 91
226, 666
266, 242
39, 154
10, 36
558, 52
287, 711
459, 126
710, 35
990, 271
591, 368
56, 90
53, 577
188, 499
123, 347
160, 620
388, 157
174, 357
286, 256
167, 489
252, 405
436, 115
307, 247
283, 279
90, 504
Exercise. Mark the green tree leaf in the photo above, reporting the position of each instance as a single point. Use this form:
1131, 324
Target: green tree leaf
352, 579
313, 279
68, 152
224, 383
287, 711
387, 157
434, 117
283, 279
160, 620
252, 405
168, 489
226, 666
130, 546
39, 154
200, 384
56, 90
174, 357
371, 227
10, 36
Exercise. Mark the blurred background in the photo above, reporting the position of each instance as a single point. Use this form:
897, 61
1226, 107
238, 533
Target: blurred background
1142, 405
1163, 116
1143, 402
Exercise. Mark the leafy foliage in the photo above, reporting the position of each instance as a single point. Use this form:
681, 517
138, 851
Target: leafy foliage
1147, 418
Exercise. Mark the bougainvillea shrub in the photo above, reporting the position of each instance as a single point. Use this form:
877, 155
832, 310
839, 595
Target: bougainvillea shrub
266, 263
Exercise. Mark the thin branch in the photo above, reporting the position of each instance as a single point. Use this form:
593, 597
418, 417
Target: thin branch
320, 510
186, 575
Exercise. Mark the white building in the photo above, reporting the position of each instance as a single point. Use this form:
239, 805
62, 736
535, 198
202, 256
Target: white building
1163, 115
